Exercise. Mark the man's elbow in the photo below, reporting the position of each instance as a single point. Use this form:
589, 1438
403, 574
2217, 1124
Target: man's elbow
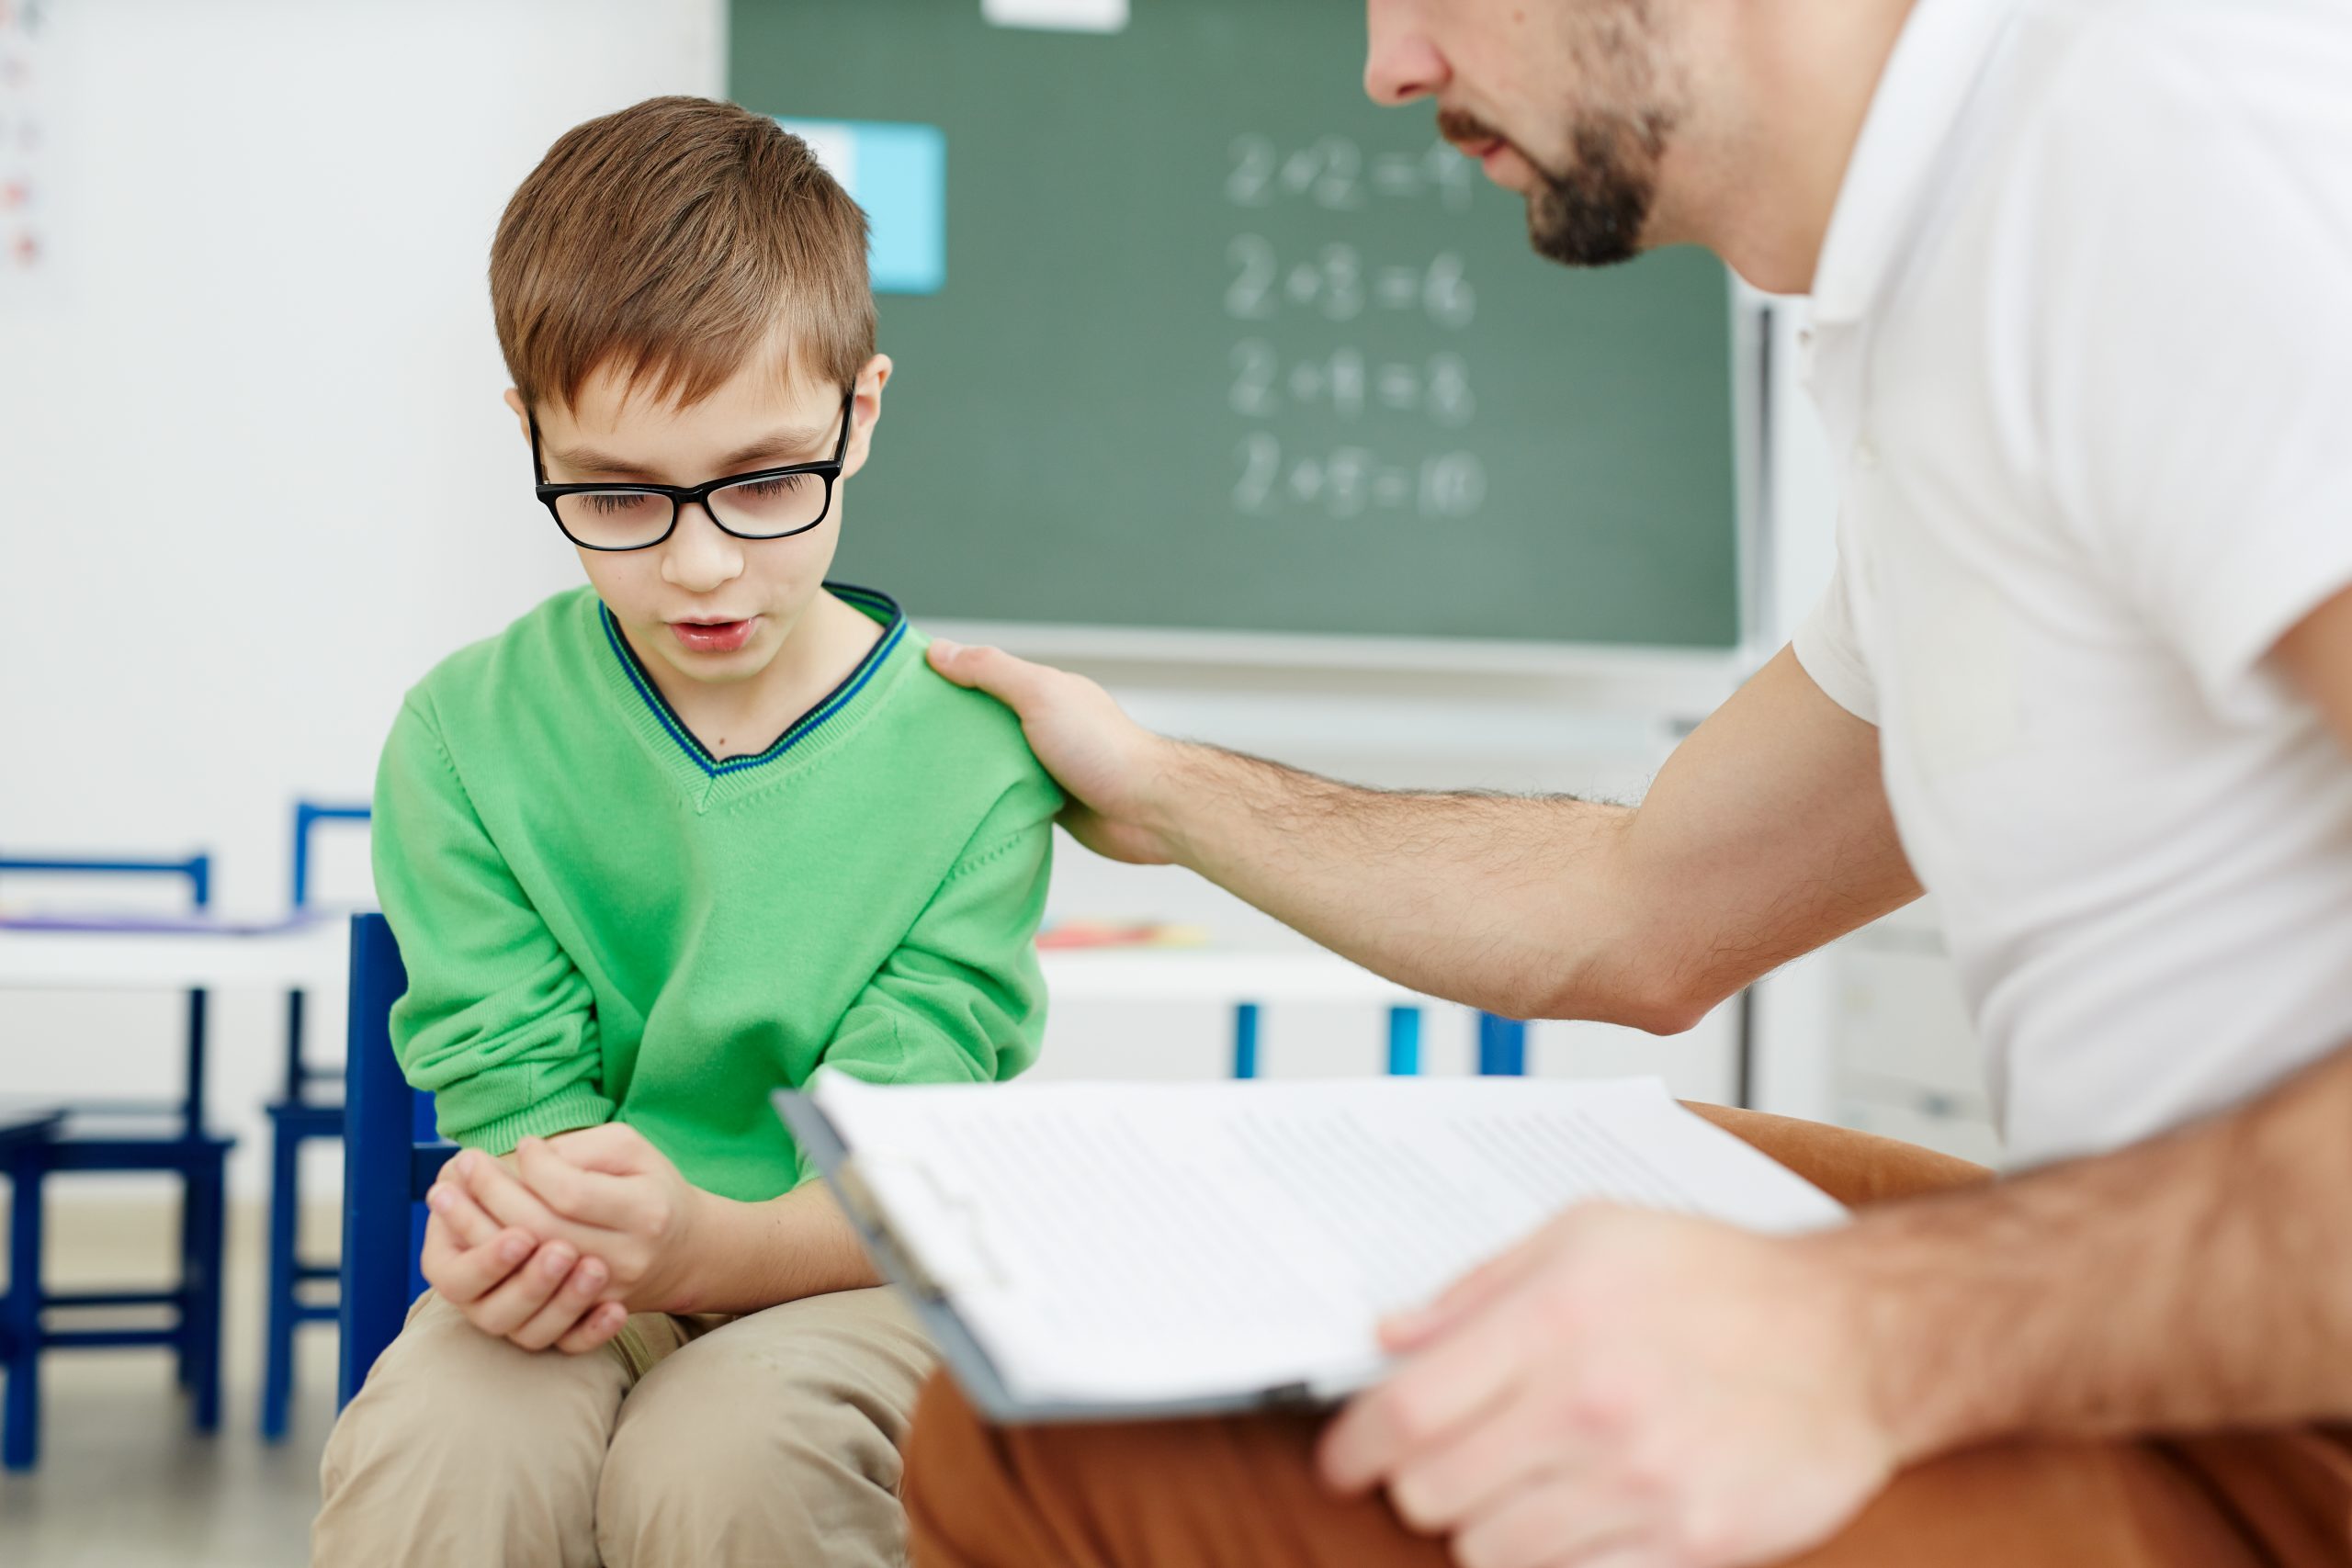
1654, 1002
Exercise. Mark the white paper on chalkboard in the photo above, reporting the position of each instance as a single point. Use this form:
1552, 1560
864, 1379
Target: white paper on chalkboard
1058, 16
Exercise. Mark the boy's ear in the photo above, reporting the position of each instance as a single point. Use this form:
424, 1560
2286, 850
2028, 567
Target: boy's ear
866, 411
522, 415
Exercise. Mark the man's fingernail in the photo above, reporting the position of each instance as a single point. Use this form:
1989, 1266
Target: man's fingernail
946, 648
515, 1249
558, 1263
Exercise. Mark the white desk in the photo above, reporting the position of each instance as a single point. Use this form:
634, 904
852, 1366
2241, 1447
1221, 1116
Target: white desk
311, 957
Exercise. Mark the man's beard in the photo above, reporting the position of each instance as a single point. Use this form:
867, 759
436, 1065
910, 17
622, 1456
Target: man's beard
1593, 214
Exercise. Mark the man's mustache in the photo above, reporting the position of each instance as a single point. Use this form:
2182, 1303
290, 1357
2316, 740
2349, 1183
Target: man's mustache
1459, 125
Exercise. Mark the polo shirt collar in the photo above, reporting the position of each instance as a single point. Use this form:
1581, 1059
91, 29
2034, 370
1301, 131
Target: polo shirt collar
1944, 51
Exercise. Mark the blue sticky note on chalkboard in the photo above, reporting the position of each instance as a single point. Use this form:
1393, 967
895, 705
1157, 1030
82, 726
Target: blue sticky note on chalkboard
898, 173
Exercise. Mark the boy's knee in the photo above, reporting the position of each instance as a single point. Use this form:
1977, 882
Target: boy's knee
786, 1432
474, 1423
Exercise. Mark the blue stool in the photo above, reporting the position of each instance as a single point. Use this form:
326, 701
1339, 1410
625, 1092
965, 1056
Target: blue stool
121, 1136
308, 1109
1502, 1044
390, 1157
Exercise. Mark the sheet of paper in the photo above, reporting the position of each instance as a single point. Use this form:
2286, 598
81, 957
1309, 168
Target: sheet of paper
1142, 1242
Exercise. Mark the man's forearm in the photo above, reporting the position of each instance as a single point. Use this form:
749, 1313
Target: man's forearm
751, 1256
1765, 834
2195, 1281
1498, 901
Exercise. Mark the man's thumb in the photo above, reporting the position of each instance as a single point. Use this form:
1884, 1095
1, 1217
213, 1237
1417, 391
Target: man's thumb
991, 670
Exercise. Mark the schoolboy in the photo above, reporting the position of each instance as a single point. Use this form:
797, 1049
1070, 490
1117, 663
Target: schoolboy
667, 843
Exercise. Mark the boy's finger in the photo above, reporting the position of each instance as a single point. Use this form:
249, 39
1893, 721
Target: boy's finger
595, 1330
469, 1225
613, 1147
509, 1202
575, 1300
520, 1296
590, 1197
463, 1275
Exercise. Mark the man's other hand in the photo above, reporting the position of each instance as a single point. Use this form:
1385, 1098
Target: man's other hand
1625, 1387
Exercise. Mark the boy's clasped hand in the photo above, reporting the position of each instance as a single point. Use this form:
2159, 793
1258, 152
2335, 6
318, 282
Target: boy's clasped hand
555, 1245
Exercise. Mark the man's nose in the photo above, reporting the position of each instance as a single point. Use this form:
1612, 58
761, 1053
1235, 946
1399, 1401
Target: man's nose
1400, 63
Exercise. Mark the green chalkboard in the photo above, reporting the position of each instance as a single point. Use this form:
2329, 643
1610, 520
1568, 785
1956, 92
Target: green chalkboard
1222, 345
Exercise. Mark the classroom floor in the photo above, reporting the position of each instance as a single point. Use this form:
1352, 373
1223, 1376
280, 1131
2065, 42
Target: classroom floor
122, 1482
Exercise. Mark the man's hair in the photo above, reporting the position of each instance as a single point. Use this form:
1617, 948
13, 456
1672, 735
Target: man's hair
671, 242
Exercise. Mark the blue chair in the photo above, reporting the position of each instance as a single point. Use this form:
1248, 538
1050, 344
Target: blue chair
24, 1132
307, 1110
1502, 1043
169, 1136
390, 1157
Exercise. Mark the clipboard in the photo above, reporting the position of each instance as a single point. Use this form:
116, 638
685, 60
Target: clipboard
965, 1360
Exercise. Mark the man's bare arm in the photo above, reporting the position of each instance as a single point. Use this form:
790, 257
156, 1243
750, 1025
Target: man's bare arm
2197, 1282
1766, 835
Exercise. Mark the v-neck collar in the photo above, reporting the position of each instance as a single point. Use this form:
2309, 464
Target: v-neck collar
669, 735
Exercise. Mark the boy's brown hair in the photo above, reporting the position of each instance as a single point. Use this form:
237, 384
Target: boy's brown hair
670, 241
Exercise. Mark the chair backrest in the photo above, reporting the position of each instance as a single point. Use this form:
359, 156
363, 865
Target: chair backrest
308, 814
197, 869
390, 1157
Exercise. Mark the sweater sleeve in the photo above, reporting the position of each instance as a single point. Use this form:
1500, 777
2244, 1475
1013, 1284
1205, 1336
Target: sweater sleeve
962, 999
497, 1022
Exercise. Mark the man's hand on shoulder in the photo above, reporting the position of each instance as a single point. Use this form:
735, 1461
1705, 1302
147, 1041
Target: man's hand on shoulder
1625, 1386
1114, 771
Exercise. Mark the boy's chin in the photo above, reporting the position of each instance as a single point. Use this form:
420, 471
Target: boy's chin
721, 669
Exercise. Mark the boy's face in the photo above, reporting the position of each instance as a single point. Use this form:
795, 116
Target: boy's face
708, 605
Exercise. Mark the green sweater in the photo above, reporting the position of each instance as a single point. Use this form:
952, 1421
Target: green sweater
602, 923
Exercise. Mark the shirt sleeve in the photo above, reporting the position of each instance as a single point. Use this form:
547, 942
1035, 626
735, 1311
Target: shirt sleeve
2194, 242
497, 1021
1827, 645
962, 999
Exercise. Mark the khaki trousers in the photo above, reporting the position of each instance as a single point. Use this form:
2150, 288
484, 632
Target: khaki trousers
1240, 1493
770, 1438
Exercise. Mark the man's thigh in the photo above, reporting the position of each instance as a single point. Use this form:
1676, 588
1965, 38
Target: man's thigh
775, 1438
1243, 1494
504, 1445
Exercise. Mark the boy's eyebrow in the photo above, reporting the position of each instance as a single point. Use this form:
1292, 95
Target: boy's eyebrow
775, 449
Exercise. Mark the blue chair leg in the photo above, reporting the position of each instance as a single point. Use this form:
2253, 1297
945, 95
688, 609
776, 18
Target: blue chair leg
285, 1211
1404, 1042
20, 1424
1502, 1047
191, 1263
201, 1328
1245, 1040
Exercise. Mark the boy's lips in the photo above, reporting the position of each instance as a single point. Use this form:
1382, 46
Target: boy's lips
713, 636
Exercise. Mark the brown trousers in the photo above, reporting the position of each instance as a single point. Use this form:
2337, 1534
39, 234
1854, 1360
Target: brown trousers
1240, 1493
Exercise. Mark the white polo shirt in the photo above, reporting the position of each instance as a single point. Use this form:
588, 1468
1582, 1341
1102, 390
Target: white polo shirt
2082, 334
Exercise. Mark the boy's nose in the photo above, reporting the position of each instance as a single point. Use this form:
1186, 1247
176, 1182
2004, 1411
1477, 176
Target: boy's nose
700, 555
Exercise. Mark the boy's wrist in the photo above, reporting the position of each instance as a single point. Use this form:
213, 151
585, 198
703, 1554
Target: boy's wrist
704, 1241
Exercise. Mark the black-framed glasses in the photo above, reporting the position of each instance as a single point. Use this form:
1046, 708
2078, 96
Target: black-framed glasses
766, 503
